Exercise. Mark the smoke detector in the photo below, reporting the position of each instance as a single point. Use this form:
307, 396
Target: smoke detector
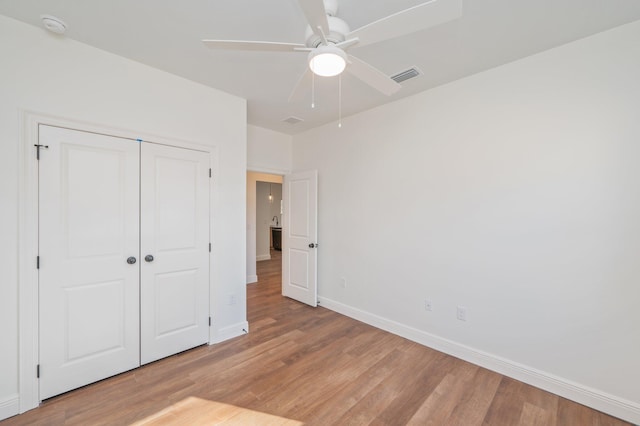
53, 24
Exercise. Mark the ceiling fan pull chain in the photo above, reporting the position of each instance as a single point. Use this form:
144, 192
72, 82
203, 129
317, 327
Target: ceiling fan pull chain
313, 90
340, 101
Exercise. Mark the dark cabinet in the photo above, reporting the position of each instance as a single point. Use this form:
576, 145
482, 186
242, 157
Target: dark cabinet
276, 238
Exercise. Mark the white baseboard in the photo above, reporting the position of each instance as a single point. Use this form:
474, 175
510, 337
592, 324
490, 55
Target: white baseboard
262, 257
252, 279
9, 407
601, 401
230, 332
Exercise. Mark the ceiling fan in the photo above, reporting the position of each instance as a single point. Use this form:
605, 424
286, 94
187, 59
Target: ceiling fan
329, 37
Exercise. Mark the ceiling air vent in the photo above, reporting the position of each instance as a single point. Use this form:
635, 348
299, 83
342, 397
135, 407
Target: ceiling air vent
292, 120
406, 75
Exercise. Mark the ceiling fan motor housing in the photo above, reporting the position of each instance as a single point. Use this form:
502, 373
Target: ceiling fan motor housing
337, 30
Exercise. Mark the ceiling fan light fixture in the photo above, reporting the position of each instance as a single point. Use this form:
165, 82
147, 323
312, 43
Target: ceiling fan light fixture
327, 61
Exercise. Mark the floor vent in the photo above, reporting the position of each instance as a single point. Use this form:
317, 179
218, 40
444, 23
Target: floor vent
406, 75
292, 120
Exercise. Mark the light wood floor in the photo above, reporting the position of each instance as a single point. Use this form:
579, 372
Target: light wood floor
301, 365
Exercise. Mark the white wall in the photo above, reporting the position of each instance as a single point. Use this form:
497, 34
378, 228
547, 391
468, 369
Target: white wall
252, 181
265, 212
57, 76
516, 194
268, 151
275, 208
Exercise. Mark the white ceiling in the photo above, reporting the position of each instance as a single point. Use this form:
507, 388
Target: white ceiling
166, 34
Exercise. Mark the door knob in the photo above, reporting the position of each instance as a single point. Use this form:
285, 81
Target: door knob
312, 245
131, 260
148, 258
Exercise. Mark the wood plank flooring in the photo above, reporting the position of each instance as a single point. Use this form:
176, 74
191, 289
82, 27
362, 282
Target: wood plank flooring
301, 365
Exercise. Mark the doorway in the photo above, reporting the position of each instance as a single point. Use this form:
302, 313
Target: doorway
264, 195
298, 233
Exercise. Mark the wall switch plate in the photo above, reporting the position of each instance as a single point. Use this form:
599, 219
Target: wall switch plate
461, 313
343, 282
231, 300
428, 306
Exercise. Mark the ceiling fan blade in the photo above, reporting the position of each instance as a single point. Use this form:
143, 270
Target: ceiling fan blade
420, 17
344, 45
266, 46
372, 76
303, 81
316, 16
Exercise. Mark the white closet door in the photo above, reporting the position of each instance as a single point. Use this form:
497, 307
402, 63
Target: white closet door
174, 250
89, 294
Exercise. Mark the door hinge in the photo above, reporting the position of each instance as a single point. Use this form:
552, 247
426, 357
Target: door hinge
37, 262
209, 247
38, 150
209, 172
209, 321
38, 371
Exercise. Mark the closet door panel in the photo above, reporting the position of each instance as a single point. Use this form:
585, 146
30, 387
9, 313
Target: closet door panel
174, 250
89, 228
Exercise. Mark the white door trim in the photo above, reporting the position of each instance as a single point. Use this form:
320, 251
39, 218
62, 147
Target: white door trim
27, 274
28, 348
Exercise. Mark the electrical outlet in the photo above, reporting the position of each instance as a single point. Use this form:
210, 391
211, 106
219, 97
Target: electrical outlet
461, 313
231, 300
428, 306
343, 282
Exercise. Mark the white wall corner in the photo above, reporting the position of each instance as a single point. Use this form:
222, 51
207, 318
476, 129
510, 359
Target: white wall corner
252, 279
9, 407
618, 407
226, 333
262, 257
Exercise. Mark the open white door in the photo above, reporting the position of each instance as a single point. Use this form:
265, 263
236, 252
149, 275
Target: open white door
174, 250
299, 237
88, 277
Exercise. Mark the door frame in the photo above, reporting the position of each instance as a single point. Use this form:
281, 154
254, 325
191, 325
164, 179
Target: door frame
28, 333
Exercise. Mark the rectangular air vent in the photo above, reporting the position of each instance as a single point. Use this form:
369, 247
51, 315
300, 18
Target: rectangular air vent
406, 75
293, 120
